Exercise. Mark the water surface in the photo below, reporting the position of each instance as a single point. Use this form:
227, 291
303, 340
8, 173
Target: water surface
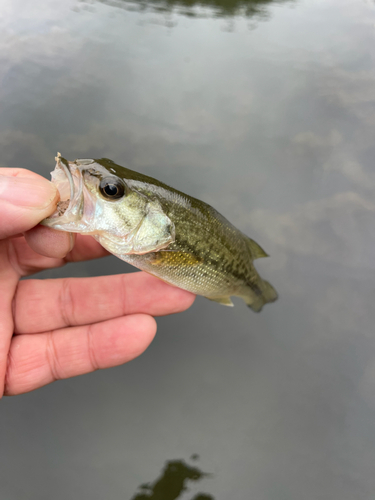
265, 110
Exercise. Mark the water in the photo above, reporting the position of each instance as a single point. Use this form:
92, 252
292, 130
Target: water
265, 110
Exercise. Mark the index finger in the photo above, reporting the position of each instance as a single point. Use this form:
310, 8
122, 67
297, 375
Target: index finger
30, 261
20, 172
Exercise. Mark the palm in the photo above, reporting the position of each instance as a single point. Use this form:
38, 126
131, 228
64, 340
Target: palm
54, 329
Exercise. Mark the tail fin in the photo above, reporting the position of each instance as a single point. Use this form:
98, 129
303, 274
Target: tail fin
255, 299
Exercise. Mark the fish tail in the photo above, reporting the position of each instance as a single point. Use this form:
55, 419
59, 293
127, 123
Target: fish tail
256, 298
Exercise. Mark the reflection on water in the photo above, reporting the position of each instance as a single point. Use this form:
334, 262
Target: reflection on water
172, 483
198, 8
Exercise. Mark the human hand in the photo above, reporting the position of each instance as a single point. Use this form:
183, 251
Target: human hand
60, 328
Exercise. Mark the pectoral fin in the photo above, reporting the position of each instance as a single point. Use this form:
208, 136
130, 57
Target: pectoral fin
155, 232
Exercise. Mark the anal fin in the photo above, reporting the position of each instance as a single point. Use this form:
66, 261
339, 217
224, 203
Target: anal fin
225, 301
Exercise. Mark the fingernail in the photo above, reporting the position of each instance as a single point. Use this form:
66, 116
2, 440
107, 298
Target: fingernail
72, 240
27, 191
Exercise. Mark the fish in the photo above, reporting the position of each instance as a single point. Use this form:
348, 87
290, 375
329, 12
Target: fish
158, 229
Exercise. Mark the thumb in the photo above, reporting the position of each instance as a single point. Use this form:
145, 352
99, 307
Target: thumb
25, 199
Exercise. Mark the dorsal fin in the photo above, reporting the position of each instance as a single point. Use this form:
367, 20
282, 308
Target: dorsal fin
255, 250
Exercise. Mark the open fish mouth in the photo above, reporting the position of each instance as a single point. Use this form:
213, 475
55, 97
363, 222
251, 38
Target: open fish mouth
67, 178
63, 205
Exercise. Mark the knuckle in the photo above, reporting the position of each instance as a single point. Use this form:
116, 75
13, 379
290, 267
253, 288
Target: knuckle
66, 302
91, 349
52, 358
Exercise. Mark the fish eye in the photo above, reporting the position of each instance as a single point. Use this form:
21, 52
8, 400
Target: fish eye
111, 188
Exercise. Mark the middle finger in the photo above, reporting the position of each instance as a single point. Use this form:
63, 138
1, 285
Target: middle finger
43, 305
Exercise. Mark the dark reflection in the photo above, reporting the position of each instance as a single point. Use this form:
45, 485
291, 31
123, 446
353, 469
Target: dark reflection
203, 496
173, 482
193, 8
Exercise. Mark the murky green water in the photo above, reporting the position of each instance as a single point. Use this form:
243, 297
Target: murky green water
265, 110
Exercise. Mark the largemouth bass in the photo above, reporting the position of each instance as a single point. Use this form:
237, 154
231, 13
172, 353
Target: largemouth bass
160, 230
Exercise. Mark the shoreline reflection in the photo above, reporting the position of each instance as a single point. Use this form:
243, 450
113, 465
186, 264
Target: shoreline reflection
172, 482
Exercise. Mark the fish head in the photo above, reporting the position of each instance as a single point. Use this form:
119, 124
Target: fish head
97, 198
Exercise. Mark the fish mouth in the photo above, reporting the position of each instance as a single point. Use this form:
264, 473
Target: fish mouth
67, 177
65, 166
